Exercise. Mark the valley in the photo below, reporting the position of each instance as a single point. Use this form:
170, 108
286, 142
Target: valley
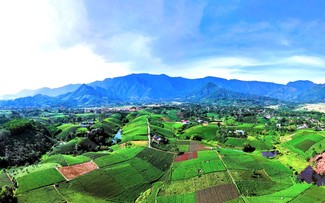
183, 152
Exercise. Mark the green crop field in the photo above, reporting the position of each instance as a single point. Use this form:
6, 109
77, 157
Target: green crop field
312, 194
158, 159
302, 141
188, 198
117, 156
148, 171
127, 175
161, 131
207, 132
137, 129
282, 196
67, 129
65, 160
235, 142
41, 195
38, 179
194, 184
207, 162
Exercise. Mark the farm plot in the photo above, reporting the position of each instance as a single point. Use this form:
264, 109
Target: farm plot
66, 160
98, 184
313, 194
194, 184
302, 141
217, 194
188, 198
282, 196
207, 162
235, 142
38, 179
118, 156
196, 146
207, 132
127, 175
186, 156
158, 159
137, 129
42, 195
71, 172
149, 172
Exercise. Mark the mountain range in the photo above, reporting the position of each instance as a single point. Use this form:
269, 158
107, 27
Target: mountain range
159, 88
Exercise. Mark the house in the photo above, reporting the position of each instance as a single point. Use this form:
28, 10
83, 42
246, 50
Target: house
239, 132
157, 139
302, 126
185, 121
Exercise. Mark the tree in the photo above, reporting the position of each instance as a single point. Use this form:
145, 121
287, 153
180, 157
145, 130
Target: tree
7, 195
248, 147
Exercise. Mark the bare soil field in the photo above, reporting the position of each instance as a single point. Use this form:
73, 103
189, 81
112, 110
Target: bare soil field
319, 163
313, 107
72, 172
196, 146
217, 194
186, 156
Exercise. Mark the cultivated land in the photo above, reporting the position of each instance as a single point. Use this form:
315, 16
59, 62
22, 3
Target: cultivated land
166, 153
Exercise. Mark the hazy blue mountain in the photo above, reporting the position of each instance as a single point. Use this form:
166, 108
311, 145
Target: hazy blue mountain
34, 101
212, 93
85, 96
153, 88
53, 92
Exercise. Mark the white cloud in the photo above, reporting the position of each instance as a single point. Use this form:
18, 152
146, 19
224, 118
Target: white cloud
42, 45
306, 60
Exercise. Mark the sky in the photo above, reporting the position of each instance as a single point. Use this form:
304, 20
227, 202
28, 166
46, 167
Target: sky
51, 43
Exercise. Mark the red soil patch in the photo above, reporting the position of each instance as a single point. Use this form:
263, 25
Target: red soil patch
319, 163
186, 156
71, 172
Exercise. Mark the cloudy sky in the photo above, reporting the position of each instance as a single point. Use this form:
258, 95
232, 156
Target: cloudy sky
51, 43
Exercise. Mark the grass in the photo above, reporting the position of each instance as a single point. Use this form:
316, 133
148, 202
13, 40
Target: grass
38, 179
183, 148
4, 180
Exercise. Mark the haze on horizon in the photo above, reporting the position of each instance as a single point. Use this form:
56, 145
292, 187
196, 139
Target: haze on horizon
51, 43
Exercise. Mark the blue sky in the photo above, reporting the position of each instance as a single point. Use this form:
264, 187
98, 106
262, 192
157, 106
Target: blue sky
57, 42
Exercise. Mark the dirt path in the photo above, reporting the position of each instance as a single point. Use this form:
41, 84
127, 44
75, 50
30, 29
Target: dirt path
230, 175
60, 194
149, 137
